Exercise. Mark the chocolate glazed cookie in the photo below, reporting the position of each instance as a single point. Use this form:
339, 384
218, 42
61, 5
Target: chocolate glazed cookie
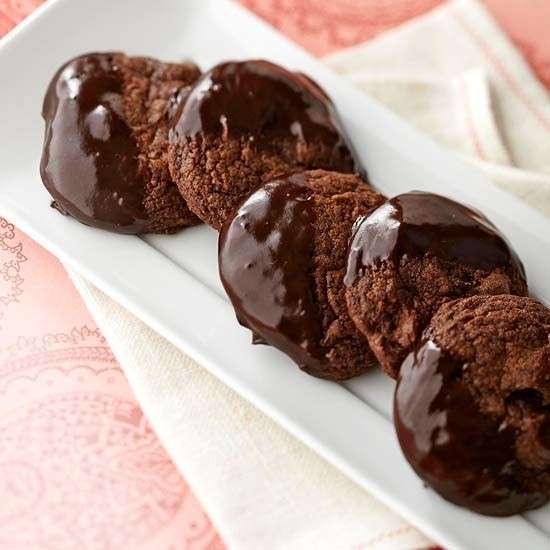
104, 160
245, 123
413, 254
472, 404
282, 260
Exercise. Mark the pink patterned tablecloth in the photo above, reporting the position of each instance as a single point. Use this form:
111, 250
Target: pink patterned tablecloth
68, 417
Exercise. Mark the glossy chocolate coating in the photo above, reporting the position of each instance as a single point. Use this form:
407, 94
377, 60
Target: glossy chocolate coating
467, 457
265, 255
261, 100
90, 160
415, 224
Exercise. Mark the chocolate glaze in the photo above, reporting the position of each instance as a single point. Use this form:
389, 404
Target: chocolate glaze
90, 160
265, 255
415, 224
263, 101
467, 457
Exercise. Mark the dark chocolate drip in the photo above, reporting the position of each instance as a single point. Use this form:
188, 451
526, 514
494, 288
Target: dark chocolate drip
415, 224
467, 457
257, 340
265, 256
262, 101
90, 160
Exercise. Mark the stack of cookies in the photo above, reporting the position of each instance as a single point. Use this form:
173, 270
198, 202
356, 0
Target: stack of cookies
316, 262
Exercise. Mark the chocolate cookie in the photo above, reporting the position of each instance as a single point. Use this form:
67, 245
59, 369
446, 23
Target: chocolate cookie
411, 255
104, 160
245, 123
472, 404
282, 260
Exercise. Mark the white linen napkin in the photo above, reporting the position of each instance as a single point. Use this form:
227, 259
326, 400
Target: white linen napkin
453, 74
262, 487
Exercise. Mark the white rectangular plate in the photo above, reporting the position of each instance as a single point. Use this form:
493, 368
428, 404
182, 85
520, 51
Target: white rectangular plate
172, 282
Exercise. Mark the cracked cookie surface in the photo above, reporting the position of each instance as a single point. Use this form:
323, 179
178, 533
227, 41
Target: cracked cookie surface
246, 123
411, 255
472, 404
282, 260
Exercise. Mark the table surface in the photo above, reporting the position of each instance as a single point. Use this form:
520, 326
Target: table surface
61, 388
